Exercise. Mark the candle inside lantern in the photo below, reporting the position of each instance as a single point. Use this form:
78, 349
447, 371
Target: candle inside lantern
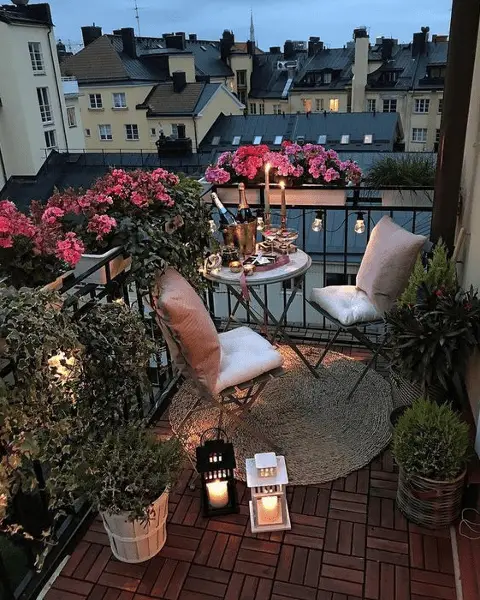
249, 269
236, 266
268, 509
267, 191
283, 210
217, 492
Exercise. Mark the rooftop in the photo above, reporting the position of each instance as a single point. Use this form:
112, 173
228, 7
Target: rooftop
164, 100
33, 14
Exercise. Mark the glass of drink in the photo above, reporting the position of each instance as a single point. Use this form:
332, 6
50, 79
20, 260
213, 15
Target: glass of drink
270, 234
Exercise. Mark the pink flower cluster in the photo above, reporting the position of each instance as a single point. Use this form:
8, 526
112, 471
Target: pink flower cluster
215, 174
70, 249
13, 223
101, 225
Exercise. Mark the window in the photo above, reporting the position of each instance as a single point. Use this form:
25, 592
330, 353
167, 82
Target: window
44, 104
437, 136
131, 132
389, 77
153, 131
88, 133
96, 101
440, 106
105, 132
262, 109
368, 138
322, 139
236, 140
71, 116
119, 100
334, 104
319, 104
216, 140
422, 105
242, 96
253, 108
36, 57
50, 139
277, 110
257, 140
178, 131
371, 105
327, 78
307, 105
419, 134
390, 105
436, 72
242, 78
345, 139
278, 140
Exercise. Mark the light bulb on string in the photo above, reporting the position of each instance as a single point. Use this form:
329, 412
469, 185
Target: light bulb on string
260, 221
360, 223
317, 224
212, 225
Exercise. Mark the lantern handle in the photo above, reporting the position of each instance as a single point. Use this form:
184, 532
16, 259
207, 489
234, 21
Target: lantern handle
217, 431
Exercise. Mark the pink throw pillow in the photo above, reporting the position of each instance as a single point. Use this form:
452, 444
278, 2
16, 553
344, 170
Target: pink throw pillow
187, 324
388, 263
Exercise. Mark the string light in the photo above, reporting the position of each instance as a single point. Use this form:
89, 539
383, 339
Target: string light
360, 223
213, 226
260, 220
317, 224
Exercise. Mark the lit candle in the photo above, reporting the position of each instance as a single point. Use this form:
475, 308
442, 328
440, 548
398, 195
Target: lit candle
249, 269
267, 193
236, 266
269, 508
283, 210
217, 492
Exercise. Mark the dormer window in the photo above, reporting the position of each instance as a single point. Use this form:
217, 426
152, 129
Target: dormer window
437, 72
389, 77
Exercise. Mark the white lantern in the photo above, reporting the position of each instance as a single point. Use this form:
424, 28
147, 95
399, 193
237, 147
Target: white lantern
267, 478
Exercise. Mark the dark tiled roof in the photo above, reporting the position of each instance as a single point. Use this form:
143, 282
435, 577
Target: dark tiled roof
35, 14
162, 100
385, 128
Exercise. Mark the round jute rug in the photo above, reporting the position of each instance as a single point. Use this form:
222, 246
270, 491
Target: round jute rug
322, 434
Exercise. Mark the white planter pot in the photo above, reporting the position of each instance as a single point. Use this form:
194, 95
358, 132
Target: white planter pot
117, 265
408, 198
138, 541
229, 195
308, 195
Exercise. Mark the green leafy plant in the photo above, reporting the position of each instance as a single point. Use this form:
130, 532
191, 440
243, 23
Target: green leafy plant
405, 171
439, 273
431, 441
125, 470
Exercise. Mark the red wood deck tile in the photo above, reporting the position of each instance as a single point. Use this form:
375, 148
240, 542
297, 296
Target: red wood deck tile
323, 502
212, 588
430, 553
312, 571
372, 580
218, 548
235, 587
54, 594
87, 561
290, 590
387, 581
97, 593
176, 582
299, 565
83, 588
299, 493
402, 583
249, 589
345, 537
340, 560
163, 579
310, 502
341, 587
255, 556
151, 574
99, 565
341, 573
264, 589
248, 568
285, 563
358, 539
331, 535
128, 584
75, 558
433, 591
131, 570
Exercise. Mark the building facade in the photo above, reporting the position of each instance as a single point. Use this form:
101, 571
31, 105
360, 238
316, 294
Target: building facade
36, 116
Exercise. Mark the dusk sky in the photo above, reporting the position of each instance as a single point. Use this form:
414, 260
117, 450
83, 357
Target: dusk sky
275, 20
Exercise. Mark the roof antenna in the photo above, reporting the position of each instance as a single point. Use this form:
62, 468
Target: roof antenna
137, 17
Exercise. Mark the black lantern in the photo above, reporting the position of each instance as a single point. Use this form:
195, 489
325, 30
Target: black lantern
215, 464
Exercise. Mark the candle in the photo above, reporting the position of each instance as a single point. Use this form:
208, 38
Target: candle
267, 192
248, 269
269, 509
217, 493
283, 210
235, 266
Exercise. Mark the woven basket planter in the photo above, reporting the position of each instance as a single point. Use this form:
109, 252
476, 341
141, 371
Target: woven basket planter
406, 392
429, 503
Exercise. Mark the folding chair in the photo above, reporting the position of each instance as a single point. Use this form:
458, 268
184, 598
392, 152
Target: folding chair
246, 362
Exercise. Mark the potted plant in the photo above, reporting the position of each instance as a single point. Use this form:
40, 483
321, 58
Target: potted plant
34, 250
431, 447
127, 475
403, 172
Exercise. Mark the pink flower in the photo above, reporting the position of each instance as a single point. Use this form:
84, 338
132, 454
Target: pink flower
224, 159
102, 225
70, 249
5, 225
216, 175
331, 175
6, 242
52, 215
139, 200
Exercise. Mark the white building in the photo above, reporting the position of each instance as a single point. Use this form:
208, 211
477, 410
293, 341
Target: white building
35, 114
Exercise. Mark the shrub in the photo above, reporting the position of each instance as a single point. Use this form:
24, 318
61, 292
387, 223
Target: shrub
407, 171
431, 441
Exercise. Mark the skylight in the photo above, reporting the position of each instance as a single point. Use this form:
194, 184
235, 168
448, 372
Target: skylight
278, 140
203, 48
257, 140
300, 138
216, 140
368, 138
322, 139
345, 139
236, 140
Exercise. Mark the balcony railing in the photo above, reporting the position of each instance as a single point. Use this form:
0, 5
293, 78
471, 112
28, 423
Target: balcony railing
70, 86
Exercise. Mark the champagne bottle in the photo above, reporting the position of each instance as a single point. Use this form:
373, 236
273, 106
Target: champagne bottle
244, 214
226, 217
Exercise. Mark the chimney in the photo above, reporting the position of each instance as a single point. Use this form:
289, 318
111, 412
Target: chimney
179, 81
90, 34
192, 37
250, 47
420, 40
175, 41
314, 46
289, 50
275, 50
387, 48
128, 41
360, 69
226, 44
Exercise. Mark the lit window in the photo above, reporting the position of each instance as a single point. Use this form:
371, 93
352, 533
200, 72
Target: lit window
440, 106
216, 140
419, 134
334, 102
131, 132
44, 104
390, 105
368, 138
422, 105
242, 78
307, 105
371, 105
36, 57
278, 140
88, 133
105, 132
253, 108
119, 100
277, 109
236, 140
345, 139
96, 101
319, 104
50, 139
71, 116
257, 140
262, 109
322, 139
327, 78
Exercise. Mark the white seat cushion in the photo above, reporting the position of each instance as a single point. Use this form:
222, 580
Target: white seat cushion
244, 356
346, 303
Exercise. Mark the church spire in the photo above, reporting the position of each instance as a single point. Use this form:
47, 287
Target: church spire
252, 27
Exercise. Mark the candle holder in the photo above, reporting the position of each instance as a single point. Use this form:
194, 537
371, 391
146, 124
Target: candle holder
267, 478
216, 464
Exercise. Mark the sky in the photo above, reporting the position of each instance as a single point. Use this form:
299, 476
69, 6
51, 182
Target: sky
275, 20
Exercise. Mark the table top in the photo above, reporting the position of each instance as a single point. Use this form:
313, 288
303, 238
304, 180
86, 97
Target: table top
299, 264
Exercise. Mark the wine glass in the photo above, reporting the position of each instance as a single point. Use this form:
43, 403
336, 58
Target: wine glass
286, 237
270, 234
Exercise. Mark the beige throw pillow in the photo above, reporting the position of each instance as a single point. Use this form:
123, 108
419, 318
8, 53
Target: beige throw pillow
388, 263
188, 328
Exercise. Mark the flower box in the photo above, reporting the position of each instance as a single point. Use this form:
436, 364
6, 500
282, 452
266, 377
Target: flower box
99, 277
309, 195
229, 194
407, 198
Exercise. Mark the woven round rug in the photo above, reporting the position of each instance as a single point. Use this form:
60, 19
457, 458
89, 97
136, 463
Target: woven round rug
322, 434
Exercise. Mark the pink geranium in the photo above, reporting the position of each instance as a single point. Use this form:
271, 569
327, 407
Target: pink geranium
14, 224
52, 215
70, 249
215, 174
102, 225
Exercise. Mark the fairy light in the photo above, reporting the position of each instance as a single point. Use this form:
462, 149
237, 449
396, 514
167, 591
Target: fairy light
360, 223
317, 224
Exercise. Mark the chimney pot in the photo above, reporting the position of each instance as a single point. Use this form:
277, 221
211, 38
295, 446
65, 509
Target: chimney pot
289, 50
90, 34
179, 81
175, 41
192, 37
128, 41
